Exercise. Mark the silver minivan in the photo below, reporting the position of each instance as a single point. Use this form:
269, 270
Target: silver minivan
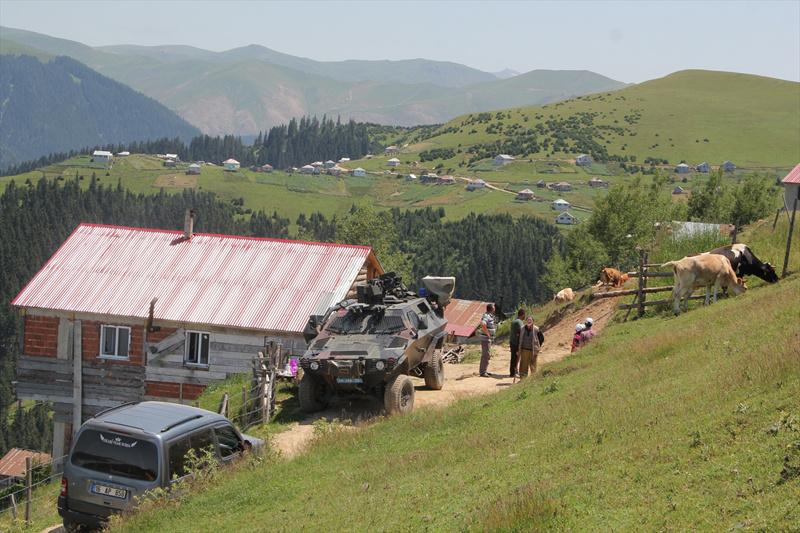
125, 451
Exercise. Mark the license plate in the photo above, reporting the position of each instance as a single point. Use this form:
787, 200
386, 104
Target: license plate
349, 380
109, 491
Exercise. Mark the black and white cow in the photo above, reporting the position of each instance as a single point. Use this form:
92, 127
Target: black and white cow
745, 263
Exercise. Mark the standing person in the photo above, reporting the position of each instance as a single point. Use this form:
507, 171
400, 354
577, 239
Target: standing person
513, 342
487, 336
576, 339
588, 333
530, 340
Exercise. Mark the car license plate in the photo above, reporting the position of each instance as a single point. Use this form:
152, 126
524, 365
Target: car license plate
109, 491
349, 380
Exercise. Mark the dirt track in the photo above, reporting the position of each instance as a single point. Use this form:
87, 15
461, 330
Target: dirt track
461, 380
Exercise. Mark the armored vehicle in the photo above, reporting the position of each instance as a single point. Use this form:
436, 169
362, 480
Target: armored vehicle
372, 344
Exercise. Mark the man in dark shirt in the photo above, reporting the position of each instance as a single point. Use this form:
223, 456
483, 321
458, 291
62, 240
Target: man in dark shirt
513, 342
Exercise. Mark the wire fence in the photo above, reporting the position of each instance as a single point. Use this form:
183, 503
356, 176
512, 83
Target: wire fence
31, 500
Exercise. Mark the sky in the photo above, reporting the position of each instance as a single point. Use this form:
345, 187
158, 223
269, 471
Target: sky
629, 41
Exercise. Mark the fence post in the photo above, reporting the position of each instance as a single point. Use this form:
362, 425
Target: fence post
28, 482
735, 232
13, 507
789, 240
777, 214
640, 294
244, 405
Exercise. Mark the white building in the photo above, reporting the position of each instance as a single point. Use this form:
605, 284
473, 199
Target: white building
683, 168
503, 159
566, 218
359, 173
102, 156
476, 184
393, 162
560, 205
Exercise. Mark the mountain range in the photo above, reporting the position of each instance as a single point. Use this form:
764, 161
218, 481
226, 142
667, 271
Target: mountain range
248, 90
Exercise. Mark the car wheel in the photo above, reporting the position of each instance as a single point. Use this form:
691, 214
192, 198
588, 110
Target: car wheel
399, 396
434, 372
314, 393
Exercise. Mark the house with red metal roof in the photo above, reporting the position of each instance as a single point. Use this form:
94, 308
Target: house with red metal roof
125, 314
12, 465
792, 184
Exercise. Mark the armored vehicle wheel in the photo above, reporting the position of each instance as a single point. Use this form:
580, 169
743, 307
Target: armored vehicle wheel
399, 396
434, 372
314, 393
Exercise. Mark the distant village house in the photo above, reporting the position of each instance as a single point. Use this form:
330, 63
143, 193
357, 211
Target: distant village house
566, 218
231, 164
583, 160
503, 159
359, 172
476, 184
560, 205
102, 156
393, 162
194, 168
727, 166
683, 168
703, 167
525, 194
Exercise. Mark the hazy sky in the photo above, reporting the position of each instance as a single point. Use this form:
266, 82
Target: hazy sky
629, 41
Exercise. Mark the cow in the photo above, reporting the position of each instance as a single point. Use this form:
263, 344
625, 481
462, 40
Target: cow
564, 295
745, 263
704, 270
612, 276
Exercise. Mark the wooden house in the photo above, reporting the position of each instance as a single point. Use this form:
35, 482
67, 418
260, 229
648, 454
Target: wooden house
583, 160
391, 150
703, 167
595, 182
125, 314
564, 186
541, 184
169, 163
525, 194
677, 190
727, 166
447, 179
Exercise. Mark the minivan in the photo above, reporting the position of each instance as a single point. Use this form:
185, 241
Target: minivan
125, 451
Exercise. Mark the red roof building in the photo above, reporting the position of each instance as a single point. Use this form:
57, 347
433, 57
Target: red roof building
792, 184
463, 317
12, 465
124, 314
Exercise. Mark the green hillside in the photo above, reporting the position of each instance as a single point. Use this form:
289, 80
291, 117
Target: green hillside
662, 424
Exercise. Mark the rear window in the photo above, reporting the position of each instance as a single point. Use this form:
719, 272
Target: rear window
121, 455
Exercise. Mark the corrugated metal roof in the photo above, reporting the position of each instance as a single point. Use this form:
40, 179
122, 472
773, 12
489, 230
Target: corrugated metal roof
463, 316
13, 463
793, 176
263, 284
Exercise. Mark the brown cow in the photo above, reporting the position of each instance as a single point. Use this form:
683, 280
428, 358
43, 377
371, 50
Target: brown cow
612, 276
704, 270
564, 295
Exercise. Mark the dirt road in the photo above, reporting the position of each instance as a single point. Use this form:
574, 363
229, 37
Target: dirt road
461, 380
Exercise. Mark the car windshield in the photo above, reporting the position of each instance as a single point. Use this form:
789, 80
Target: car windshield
365, 323
110, 453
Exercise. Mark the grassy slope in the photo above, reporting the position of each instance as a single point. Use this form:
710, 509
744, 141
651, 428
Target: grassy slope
683, 423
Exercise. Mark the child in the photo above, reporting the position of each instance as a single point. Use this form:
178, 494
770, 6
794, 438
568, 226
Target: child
576, 339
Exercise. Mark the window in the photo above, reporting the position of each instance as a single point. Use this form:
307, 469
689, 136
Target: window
114, 341
199, 442
229, 441
197, 348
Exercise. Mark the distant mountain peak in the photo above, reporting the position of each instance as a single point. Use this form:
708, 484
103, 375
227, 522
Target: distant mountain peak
506, 73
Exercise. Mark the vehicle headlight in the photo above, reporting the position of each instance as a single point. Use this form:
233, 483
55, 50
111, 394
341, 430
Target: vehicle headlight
380, 365
314, 365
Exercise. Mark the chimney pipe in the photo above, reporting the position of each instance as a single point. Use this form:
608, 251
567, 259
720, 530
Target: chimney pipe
188, 225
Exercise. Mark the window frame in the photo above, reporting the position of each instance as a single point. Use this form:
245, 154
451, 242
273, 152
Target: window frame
196, 359
115, 355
